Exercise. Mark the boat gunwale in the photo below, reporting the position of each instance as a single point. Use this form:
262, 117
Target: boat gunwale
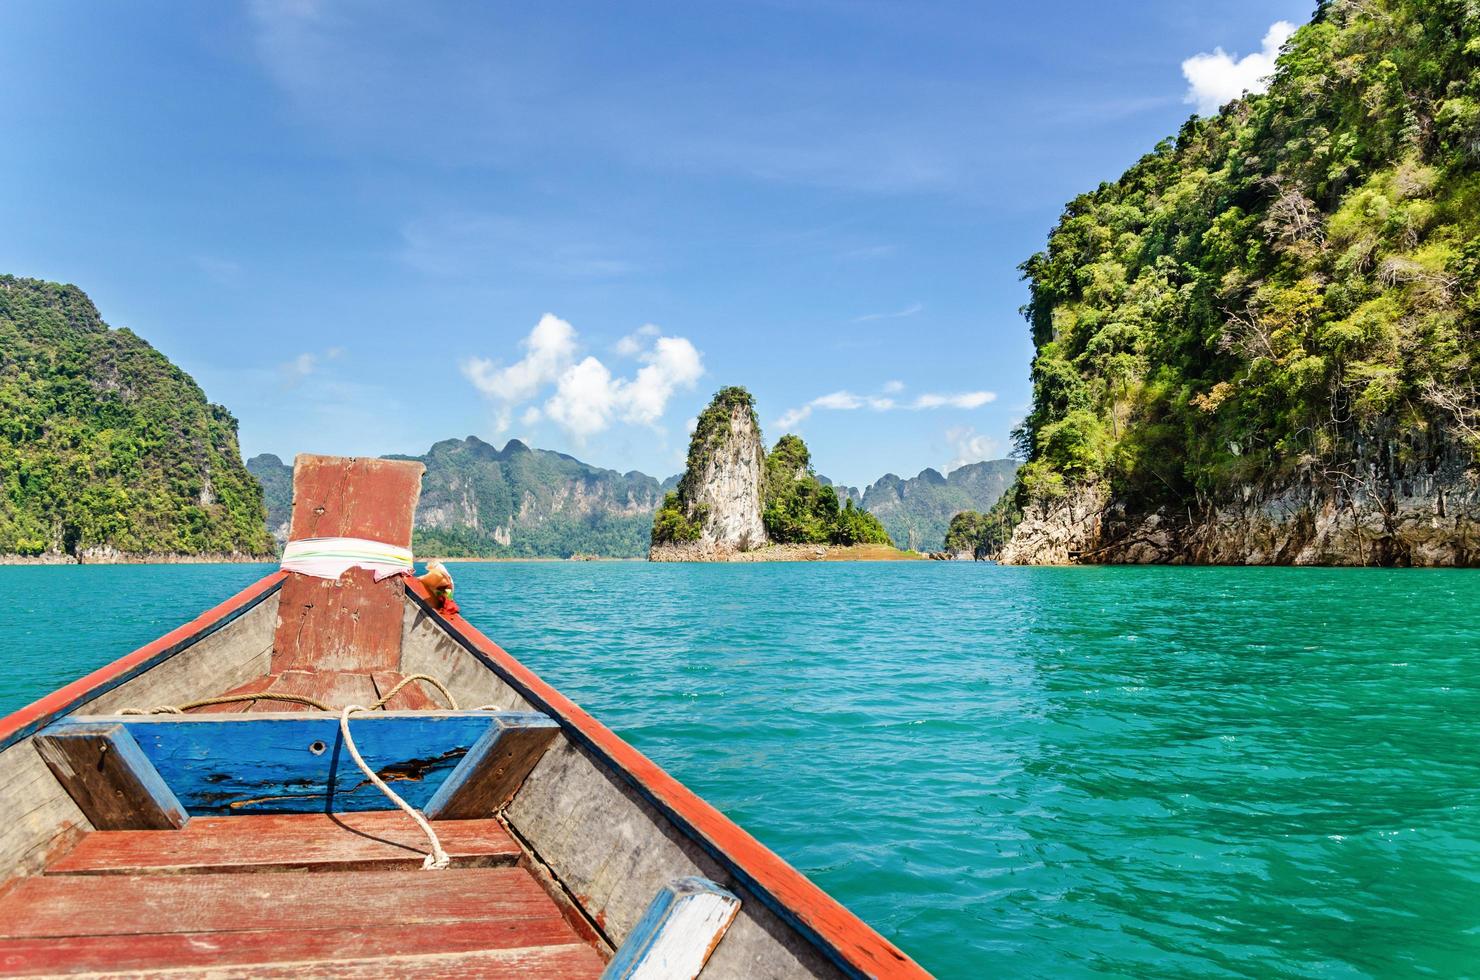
21, 724
846, 940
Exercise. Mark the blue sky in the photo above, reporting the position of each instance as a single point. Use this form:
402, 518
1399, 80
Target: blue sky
364, 227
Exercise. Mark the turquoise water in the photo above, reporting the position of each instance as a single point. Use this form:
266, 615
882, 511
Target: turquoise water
1020, 772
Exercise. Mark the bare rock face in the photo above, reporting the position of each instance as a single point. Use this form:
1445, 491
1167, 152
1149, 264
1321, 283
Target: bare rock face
721, 491
1059, 530
727, 489
1419, 514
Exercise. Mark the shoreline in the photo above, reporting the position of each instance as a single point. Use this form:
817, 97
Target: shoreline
702, 553
228, 559
493, 559
118, 558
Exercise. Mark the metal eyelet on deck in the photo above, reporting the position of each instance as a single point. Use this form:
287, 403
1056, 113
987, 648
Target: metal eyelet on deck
317, 748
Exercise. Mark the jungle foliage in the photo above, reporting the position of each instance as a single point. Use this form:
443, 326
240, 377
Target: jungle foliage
798, 508
1284, 288
983, 535
105, 443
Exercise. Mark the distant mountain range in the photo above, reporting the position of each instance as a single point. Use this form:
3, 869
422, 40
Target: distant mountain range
520, 502
917, 511
516, 502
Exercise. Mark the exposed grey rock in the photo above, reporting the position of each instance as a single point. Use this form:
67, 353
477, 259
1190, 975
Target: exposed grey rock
1424, 513
727, 489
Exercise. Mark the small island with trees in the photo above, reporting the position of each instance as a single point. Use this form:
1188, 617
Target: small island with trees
737, 502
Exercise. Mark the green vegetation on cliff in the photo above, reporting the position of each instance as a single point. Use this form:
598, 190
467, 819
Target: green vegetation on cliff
801, 509
983, 535
1283, 289
106, 444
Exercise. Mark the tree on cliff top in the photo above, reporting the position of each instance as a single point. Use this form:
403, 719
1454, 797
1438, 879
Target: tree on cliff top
1282, 289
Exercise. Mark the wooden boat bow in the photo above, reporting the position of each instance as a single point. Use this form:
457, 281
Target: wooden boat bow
177, 841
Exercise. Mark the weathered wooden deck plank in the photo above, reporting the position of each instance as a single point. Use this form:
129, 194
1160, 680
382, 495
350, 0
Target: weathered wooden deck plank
548, 963
412, 697
58, 906
332, 687
256, 685
380, 840
446, 951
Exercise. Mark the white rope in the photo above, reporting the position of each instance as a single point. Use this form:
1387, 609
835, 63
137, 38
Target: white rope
437, 859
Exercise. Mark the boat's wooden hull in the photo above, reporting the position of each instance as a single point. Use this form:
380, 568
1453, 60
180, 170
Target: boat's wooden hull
604, 827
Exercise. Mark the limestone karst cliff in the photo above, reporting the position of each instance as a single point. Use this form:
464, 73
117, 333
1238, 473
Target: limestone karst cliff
1259, 345
717, 505
1418, 512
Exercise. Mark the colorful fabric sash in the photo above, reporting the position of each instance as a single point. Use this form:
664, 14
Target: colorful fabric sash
332, 557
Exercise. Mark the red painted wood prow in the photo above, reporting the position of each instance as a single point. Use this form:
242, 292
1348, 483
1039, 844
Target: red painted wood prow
353, 624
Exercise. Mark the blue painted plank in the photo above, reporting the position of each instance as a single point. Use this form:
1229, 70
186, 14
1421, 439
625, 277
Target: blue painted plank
296, 763
675, 936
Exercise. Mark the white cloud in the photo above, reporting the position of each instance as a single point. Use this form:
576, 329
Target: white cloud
587, 398
672, 363
793, 417
839, 400
583, 399
631, 345
910, 310
549, 349
969, 399
970, 446
847, 401
1216, 79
